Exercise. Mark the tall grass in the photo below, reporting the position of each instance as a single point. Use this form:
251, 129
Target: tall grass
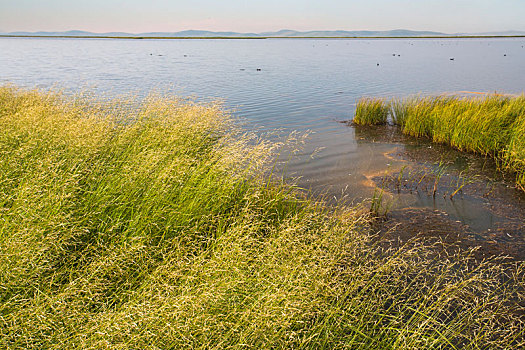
492, 126
371, 111
129, 224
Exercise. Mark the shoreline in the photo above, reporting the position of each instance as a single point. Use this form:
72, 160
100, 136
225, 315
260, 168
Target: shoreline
168, 230
454, 121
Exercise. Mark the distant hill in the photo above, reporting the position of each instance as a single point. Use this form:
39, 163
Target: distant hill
69, 33
356, 33
280, 33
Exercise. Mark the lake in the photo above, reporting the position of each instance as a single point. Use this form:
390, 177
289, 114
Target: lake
283, 85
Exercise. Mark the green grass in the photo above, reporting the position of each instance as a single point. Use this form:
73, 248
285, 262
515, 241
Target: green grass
493, 125
153, 225
371, 111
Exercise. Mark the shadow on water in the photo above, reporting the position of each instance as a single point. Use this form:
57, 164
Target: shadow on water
443, 194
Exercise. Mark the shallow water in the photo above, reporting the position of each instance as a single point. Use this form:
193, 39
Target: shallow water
288, 84
464, 189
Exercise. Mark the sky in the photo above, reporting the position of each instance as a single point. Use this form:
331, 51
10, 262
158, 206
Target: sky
138, 16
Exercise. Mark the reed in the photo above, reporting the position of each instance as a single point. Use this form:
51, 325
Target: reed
371, 111
493, 125
151, 224
399, 110
514, 151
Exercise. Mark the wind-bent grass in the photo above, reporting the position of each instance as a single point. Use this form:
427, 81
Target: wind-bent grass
493, 125
151, 225
371, 111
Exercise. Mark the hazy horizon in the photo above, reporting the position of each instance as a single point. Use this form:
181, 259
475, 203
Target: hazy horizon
137, 16
262, 32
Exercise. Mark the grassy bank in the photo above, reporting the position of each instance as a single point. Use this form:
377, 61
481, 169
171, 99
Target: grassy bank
151, 224
493, 125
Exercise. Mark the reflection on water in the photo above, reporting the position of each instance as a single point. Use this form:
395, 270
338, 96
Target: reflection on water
436, 189
287, 84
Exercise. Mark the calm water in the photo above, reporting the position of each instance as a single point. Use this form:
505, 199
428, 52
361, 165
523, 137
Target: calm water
302, 84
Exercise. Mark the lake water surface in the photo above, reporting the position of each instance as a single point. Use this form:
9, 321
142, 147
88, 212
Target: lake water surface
290, 85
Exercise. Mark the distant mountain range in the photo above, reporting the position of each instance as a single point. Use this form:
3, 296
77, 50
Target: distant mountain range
280, 33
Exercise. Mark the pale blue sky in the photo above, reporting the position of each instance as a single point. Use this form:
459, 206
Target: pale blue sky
136, 16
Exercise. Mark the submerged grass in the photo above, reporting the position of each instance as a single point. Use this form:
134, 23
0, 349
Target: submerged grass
127, 224
493, 125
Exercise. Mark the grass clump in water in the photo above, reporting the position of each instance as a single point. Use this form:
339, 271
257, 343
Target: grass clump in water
371, 111
127, 224
492, 126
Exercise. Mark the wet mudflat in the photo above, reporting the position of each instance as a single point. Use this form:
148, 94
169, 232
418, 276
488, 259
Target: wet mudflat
440, 194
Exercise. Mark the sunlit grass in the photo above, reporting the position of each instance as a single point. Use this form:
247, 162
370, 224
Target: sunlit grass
371, 111
152, 224
493, 125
